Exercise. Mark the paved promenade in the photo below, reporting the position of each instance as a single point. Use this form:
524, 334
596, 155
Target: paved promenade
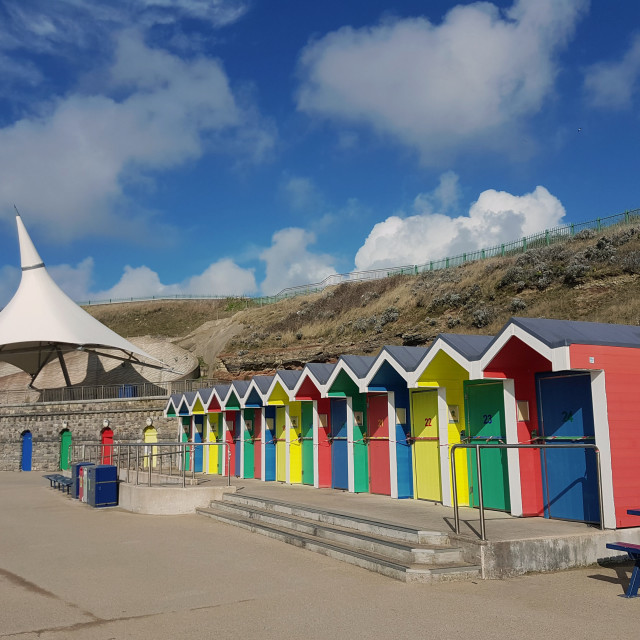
71, 572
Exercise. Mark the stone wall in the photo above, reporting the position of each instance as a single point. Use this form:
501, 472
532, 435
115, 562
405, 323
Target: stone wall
127, 418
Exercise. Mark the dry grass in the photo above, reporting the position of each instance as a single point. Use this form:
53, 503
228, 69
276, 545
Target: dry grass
588, 278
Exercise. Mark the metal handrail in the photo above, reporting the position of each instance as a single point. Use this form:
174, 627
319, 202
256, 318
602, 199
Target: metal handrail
116, 450
478, 446
122, 391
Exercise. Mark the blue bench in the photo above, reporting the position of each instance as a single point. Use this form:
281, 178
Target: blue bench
59, 481
634, 553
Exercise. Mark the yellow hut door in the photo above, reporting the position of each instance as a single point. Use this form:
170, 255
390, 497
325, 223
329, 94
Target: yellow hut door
426, 449
295, 446
281, 445
212, 451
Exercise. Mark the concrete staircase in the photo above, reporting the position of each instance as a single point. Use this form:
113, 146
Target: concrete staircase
396, 551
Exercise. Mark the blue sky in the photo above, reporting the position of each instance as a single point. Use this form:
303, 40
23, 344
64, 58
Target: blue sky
243, 146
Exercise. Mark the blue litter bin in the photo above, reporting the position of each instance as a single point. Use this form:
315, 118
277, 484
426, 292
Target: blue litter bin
103, 486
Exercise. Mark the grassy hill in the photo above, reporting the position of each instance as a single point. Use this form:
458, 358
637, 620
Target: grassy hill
589, 277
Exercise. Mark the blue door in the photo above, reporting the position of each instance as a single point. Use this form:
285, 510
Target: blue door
339, 451
197, 437
269, 444
27, 451
569, 476
404, 461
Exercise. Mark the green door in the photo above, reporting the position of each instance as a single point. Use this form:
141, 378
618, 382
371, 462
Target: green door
186, 425
484, 406
248, 443
307, 442
360, 448
65, 443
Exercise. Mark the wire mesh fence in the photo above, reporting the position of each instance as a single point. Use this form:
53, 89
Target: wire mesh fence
536, 240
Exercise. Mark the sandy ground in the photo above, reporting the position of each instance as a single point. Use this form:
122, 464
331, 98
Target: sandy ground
68, 571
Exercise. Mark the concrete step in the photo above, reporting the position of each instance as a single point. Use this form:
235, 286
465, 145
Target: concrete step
407, 572
397, 550
348, 521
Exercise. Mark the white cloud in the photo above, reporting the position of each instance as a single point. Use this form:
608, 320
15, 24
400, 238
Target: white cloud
494, 218
289, 263
300, 193
74, 281
444, 197
614, 84
69, 169
474, 78
223, 277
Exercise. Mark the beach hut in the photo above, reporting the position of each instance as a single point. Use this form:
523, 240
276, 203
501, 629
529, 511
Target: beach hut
574, 383
348, 419
243, 428
438, 418
211, 433
226, 429
287, 426
316, 427
265, 454
389, 421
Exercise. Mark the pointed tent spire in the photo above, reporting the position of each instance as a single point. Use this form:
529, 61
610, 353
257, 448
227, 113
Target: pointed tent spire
41, 323
29, 257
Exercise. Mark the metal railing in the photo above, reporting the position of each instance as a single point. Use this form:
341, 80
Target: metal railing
155, 460
103, 392
533, 241
478, 446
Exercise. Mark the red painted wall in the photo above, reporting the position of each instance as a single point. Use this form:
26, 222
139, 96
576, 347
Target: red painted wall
324, 447
230, 418
622, 382
518, 361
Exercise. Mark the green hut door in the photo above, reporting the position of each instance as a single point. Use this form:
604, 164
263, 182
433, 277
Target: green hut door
65, 443
484, 406
307, 442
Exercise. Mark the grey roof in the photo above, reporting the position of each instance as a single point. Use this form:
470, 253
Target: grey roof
175, 398
263, 382
407, 357
189, 396
360, 365
562, 333
222, 390
241, 387
470, 346
205, 394
321, 370
290, 377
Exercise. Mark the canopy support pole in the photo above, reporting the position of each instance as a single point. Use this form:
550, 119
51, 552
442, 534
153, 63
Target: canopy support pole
63, 366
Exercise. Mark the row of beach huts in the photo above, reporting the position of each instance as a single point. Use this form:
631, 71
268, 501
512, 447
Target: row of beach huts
386, 424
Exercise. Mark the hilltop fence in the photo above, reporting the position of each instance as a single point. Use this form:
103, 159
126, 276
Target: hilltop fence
541, 239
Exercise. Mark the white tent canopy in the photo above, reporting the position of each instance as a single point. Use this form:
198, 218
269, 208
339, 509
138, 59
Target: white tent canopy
41, 323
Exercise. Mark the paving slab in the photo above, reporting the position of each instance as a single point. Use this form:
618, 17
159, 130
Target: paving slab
70, 572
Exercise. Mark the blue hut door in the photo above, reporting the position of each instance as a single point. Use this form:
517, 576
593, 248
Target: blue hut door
198, 427
27, 451
339, 451
269, 444
569, 476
